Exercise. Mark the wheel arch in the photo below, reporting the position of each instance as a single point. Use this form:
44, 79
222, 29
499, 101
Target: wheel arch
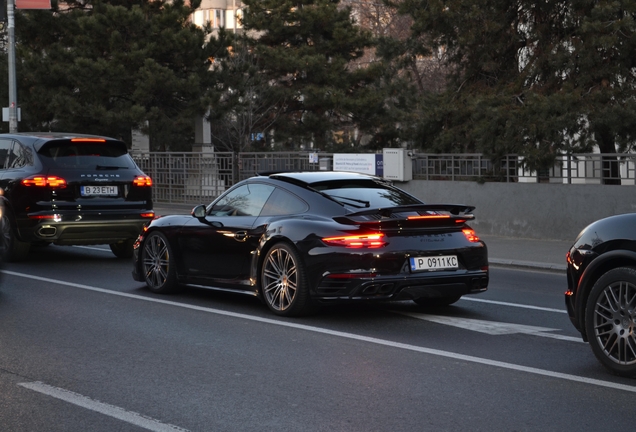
597, 268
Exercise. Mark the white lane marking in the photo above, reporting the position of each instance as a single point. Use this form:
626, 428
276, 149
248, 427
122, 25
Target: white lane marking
94, 248
103, 408
491, 327
545, 309
352, 336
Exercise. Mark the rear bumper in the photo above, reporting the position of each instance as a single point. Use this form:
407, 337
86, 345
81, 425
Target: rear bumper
403, 287
79, 232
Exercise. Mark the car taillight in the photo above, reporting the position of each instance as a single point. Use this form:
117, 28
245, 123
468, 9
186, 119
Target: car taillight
470, 235
150, 215
42, 181
374, 240
142, 181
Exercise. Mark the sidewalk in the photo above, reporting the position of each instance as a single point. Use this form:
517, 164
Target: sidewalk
528, 253
502, 251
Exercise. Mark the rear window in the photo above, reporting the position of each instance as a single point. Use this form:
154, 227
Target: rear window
69, 154
360, 194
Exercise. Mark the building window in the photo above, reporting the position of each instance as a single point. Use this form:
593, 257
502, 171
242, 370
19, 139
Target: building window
219, 18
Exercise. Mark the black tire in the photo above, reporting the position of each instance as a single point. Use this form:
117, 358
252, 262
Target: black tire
284, 284
122, 249
610, 320
437, 301
158, 265
12, 249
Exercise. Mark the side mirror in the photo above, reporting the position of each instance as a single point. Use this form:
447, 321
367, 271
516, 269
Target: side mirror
199, 211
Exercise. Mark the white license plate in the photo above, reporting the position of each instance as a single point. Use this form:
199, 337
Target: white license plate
98, 190
434, 263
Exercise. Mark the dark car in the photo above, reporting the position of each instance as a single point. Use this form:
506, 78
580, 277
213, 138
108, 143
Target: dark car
601, 295
70, 189
298, 240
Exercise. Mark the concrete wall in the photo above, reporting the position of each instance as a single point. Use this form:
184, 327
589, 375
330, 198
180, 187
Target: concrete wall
541, 211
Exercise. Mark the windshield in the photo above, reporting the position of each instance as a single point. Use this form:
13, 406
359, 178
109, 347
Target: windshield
86, 155
360, 194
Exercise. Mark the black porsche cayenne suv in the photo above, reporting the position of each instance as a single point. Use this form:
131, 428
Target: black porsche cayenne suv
70, 189
601, 294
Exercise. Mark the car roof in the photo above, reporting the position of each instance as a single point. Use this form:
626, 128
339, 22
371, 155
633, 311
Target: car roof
38, 139
48, 136
311, 177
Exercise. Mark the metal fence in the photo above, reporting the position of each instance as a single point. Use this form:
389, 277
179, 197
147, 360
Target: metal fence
589, 168
199, 177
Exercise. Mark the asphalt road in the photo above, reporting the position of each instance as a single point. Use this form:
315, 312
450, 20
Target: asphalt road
84, 347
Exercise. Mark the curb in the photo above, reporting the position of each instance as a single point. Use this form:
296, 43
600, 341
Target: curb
527, 264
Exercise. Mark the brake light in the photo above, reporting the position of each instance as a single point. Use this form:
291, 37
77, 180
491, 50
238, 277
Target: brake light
148, 215
88, 140
374, 240
470, 235
142, 181
42, 181
428, 217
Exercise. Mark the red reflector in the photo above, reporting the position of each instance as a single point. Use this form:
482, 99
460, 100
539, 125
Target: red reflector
374, 240
470, 235
88, 140
51, 181
351, 275
57, 217
142, 181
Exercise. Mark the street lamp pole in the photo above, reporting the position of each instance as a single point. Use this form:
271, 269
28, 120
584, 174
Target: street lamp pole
13, 91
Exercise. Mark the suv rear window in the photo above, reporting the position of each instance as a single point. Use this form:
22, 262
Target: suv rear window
69, 154
360, 194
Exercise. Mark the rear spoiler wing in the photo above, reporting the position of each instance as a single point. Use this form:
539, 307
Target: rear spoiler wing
454, 212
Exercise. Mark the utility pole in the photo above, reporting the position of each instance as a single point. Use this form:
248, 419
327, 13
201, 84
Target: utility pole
13, 87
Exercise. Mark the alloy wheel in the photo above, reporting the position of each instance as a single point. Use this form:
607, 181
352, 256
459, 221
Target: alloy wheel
156, 262
280, 279
5, 240
615, 322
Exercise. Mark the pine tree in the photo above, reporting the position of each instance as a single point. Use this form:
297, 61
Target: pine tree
530, 77
307, 50
106, 67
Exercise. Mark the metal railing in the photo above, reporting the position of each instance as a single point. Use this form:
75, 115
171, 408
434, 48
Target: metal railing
588, 168
199, 177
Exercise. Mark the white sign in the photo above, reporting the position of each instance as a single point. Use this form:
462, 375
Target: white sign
140, 142
362, 163
313, 157
5, 114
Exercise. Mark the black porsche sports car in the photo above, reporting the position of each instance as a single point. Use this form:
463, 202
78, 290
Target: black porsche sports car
601, 294
300, 239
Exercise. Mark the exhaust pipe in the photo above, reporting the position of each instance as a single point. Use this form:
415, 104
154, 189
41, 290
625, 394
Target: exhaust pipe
47, 231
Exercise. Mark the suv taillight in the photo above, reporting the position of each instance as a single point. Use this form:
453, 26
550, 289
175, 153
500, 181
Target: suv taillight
42, 181
142, 181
